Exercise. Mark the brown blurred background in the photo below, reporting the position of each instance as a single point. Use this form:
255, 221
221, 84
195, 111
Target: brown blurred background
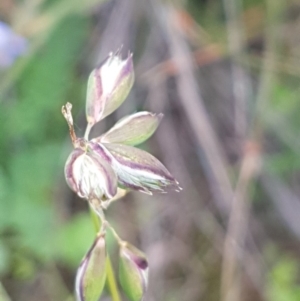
226, 76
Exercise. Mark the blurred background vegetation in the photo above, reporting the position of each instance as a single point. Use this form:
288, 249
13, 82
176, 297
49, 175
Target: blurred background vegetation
226, 76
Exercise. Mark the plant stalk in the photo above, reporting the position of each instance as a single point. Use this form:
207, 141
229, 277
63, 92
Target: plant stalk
111, 279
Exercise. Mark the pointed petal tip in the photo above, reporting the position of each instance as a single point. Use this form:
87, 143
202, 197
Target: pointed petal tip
178, 185
118, 51
160, 116
178, 188
146, 191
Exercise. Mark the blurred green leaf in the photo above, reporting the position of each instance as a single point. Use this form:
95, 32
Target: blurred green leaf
23, 266
47, 81
4, 258
74, 239
283, 163
283, 284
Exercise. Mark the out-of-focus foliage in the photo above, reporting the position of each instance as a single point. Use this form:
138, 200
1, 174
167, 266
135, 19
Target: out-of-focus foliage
32, 148
230, 131
283, 284
32, 135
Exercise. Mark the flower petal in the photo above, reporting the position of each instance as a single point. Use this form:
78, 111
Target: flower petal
90, 176
69, 175
133, 129
138, 170
95, 102
108, 86
123, 82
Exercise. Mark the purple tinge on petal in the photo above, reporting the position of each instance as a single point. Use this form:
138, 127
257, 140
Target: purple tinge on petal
139, 170
72, 182
91, 274
109, 176
100, 150
95, 101
90, 176
108, 86
122, 80
133, 271
79, 287
142, 263
133, 129
126, 71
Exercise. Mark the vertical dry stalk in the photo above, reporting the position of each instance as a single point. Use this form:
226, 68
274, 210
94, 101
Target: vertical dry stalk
241, 87
235, 203
235, 237
194, 108
237, 226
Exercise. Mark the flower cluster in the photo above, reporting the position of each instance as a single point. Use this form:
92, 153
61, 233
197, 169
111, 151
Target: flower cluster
101, 169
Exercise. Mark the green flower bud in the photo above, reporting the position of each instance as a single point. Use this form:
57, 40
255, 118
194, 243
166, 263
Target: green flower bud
91, 274
133, 271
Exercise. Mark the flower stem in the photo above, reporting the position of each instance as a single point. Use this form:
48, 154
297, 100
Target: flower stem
87, 131
111, 279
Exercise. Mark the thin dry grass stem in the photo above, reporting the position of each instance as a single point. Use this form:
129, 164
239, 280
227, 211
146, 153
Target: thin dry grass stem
202, 217
203, 56
236, 230
269, 64
194, 108
284, 198
237, 226
118, 29
238, 221
240, 83
156, 100
194, 31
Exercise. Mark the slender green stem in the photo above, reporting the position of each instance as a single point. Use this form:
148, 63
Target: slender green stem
111, 279
117, 237
95, 219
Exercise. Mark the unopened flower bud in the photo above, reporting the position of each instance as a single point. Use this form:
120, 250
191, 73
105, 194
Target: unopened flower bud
108, 86
89, 175
133, 271
91, 274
